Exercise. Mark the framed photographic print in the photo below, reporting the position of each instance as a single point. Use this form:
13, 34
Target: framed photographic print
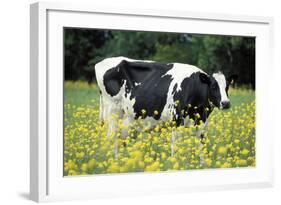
128, 101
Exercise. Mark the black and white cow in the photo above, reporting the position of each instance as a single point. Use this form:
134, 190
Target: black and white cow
150, 90
133, 89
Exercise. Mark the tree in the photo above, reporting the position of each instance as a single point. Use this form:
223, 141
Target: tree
80, 45
212, 53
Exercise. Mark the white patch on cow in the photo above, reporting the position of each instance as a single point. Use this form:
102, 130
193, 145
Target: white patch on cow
126, 103
220, 78
181, 71
178, 73
174, 137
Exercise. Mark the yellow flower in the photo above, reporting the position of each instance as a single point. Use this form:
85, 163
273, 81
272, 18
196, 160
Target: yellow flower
70, 165
137, 154
80, 155
244, 152
208, 162
72, 173
218, 164
222, 150
236, 141
251, 160
141, 164
176, 166
226, 165
113, 168
100, 165
153, 167
91, 163
84, 167
172, 159
242, 162
163, 155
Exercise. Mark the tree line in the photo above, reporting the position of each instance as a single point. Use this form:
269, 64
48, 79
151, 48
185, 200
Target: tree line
83, 48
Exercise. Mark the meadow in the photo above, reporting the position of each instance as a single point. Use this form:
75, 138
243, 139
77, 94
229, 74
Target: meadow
229, 138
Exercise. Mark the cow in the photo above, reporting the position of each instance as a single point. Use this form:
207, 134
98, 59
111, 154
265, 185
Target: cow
153, 91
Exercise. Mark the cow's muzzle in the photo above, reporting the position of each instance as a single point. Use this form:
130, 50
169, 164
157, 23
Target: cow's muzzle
225, 104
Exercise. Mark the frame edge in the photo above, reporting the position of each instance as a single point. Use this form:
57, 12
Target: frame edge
98, 8
38, 11
38, 103
34, 175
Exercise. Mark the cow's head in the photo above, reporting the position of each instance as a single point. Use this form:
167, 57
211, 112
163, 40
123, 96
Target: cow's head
218, 88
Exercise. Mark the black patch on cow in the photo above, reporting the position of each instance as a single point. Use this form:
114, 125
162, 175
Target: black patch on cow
113, 81
151, 97
144, 81
193, 98
214, 92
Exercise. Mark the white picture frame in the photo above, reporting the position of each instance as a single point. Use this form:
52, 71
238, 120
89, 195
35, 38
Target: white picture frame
46, 91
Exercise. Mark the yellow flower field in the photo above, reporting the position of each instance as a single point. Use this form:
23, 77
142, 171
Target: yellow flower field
229, 138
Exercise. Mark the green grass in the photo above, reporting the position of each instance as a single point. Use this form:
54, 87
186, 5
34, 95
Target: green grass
81, 93
243, 96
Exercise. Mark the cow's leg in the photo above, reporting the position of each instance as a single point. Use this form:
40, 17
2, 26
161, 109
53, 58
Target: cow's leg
112, 132
203, 128
200, 130
126, 125
110, 123
179, 121
199, 134
112, 113
187, 122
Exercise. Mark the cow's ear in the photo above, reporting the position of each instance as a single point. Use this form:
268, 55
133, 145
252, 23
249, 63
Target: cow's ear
232, 79
204, 78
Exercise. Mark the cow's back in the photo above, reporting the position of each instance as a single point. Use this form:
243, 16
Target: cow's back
105, 65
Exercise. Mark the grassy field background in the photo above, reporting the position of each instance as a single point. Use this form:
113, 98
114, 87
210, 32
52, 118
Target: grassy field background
229, 142
82, 93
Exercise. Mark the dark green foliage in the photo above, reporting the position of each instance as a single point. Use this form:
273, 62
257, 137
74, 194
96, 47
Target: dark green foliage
80, 47
229, 54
